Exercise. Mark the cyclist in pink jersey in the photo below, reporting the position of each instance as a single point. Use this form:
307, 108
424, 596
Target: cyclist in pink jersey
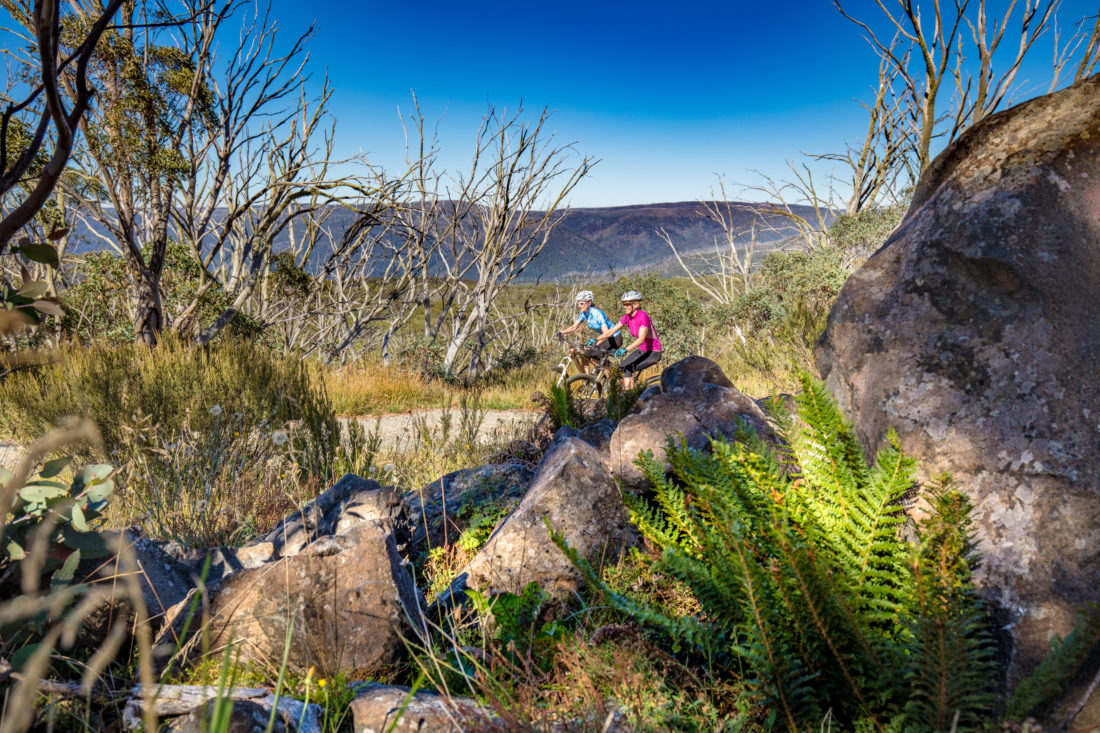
645, 350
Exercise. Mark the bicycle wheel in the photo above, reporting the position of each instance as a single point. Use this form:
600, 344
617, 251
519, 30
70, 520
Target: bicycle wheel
584, 386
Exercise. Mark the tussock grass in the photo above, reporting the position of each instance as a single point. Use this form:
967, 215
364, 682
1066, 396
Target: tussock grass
369, 388
172, 385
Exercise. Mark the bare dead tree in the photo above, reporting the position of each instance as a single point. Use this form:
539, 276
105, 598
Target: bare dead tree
779, 217
517, 182
881, 166
725, 274
935, 55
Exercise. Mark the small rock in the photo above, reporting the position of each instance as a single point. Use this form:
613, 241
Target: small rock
381, 708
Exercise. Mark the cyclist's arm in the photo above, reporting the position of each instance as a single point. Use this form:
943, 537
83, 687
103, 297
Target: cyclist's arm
572, 328
608, 333
636, 343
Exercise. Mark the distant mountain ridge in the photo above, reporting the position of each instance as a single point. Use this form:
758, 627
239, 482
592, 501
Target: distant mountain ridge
610, 241
598, 244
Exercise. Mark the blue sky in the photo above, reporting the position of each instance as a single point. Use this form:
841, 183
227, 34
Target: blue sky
666, 95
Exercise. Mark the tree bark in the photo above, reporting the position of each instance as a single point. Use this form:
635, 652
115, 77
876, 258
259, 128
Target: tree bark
149, 313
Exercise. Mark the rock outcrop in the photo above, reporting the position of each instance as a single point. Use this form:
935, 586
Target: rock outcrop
439, 511
345, 601
975, 332
349, 503
697, 401
573, 490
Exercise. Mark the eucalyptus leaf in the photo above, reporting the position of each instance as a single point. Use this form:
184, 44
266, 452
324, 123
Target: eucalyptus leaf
64, 575
91, 544
41, 482
39, 494
41, 252
49, 307
21, 656
33, 289
54, 467
78, 518
14, 550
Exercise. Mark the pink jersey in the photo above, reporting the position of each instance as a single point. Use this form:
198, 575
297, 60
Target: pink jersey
634, 324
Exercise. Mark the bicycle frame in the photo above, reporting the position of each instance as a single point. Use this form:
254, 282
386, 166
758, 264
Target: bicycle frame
563, 367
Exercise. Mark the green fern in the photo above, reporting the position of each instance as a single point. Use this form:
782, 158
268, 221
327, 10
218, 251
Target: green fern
1034, 695
950, 648
808, 591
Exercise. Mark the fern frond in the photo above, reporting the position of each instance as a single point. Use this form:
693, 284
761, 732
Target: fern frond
1035, 694
950, 649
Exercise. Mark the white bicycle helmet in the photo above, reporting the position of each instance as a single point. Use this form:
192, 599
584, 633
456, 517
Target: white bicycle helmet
585, 295
630, 295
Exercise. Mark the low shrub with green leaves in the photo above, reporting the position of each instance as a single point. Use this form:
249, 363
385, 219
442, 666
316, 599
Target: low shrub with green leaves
94, 312
808, 592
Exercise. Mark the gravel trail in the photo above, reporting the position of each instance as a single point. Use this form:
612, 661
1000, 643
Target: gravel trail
401, 430
398, 430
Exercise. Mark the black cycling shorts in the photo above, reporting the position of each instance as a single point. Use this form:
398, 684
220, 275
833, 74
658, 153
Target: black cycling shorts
637, 362
601, 348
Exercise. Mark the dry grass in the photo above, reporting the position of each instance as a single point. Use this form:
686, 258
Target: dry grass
369, 388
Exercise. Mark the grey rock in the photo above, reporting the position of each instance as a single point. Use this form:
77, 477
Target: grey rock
974, 331
441, 510
381, 708
244, 716
194, 706
697, 403
690, 373
347, 600
350, 502
598, 434
573, 491
163, 580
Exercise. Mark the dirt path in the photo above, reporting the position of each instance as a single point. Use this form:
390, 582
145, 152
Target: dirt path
401, 430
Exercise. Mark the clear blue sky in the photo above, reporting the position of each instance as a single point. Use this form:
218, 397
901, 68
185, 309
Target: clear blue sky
665, 94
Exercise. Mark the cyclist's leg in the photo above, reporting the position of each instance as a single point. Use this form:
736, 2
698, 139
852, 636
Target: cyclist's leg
628, 368
635, 364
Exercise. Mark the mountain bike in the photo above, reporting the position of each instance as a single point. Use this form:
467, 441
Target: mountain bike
584, 386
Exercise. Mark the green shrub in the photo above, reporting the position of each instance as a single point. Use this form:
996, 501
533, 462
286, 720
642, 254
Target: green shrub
98, 309
808, 593
859, 235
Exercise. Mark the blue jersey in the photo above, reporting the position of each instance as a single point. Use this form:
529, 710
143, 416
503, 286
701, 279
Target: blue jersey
596, 319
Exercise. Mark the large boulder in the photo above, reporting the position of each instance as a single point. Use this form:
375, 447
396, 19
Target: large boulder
348, 504
346, 600
975, 332
697, 402
573, 491
440, 511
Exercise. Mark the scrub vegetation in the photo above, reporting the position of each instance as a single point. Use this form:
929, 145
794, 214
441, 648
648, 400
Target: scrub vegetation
186, 377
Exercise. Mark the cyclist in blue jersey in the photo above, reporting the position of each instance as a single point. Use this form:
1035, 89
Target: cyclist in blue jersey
598, 321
